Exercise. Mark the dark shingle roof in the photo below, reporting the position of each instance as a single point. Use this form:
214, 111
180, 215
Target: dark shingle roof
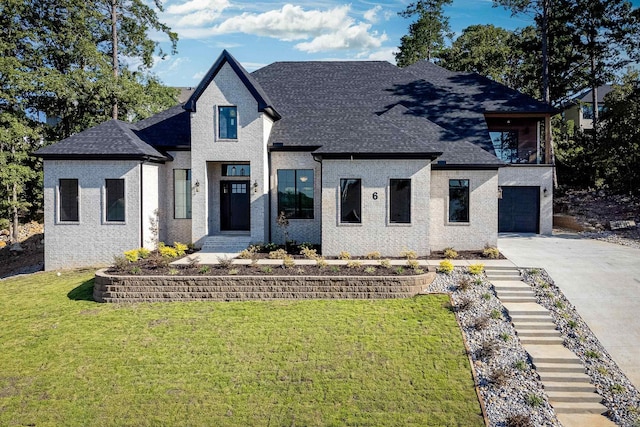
166, 130
586, 96
109, 140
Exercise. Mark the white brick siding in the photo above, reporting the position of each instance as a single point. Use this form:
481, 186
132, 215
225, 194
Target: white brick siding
482, 228
375, 233
533, 176
174, 229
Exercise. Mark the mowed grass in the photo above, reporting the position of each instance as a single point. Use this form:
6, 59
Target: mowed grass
68, 361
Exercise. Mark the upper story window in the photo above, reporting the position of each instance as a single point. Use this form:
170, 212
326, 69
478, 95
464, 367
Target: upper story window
68, 202
350, 201
505, 144
400, 201
228, 122
458, 200
115, 202
182, 193
236, 170
295, 193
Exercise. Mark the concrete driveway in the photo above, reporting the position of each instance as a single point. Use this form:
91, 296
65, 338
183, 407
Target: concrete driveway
602, 280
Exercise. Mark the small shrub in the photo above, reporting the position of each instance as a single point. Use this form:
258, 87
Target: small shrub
370, 270
558, 304
486, 296
204, 269
344, 255
309, 253
487, 350
143, 253
120, 262
385, 263
499, 377
266, 269
306, 245
572, 324
335, 269
534, 400
278, 254
408, 254
300, 270
132, 255
505, 336
592, 354
464, 284
288, 261
4, 224
450, 253
180, 248
602, 370
173, 272
167, 251
135, 270
465, 303
617, 389
491, 252
224, 262
478, 281
270, 247
534, 271
418, 271
399, 270
354, 264
321, 262
480, 323
519, 420
373, 255
476, 269
249, 253
233, 271
446, 266
520, 365
413, 263
496, 314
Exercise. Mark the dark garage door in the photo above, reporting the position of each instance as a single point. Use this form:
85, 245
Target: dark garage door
519, 210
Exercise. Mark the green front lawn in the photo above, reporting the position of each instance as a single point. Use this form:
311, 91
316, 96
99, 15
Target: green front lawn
66, 360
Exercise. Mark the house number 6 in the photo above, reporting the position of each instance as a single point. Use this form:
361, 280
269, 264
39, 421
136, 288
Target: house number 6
375, 195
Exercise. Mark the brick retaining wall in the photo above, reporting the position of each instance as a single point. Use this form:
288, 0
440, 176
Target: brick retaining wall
238, 288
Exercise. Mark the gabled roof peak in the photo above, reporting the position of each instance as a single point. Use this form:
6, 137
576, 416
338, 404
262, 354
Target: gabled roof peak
264, 103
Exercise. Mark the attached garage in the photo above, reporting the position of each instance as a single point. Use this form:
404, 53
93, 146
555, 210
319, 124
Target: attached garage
519, 210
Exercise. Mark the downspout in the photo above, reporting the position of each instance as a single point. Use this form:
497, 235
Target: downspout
321, 177
269, 192
141, 205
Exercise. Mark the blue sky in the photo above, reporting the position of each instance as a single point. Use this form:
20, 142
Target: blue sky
258, 33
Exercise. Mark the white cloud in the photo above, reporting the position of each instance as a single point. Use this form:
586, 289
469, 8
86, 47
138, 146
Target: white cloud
355, 37
198, 76
371, 15
194, 13
197, 6
380, 55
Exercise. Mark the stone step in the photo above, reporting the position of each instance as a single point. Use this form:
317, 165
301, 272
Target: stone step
539, 325
582, 420
530, 318
515, 285
515, 293
551, 354
573, 396
542, 340
517, 299
565, 377
578, 407
568, 387
537, 333
527, 309
543, 367
492, 277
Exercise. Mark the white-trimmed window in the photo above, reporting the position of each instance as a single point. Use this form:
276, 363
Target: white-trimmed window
400, 201
228, 122
115, 200
350, 201
68, 200
458, 200
182, 193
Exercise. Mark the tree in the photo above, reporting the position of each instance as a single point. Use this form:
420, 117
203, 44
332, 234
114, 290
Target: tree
620, 135
426, 35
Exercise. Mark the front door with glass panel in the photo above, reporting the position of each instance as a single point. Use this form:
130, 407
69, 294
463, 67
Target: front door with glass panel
234, 205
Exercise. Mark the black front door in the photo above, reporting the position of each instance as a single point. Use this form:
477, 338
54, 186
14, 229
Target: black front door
234, 205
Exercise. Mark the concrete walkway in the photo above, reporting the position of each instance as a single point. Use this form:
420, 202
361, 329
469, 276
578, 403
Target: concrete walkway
602, 280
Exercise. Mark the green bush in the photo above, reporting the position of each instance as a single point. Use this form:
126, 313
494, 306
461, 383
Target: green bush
413, 263
181, 248
408, 254
309, 253
278, 254
167, 251
373, 255
476, 269
491, 252
132, 255
344, 255
450, 253
4, 224
143, 253
385, 263
354, 264
288, 261
446, 266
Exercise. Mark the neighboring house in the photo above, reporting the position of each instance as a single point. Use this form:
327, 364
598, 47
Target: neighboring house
360, 156
580, 109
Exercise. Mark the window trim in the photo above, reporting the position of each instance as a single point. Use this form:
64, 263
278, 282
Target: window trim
59, 202
340, 218
218, 116
297, 208
390, 198
106, 201
188, 202
468, 207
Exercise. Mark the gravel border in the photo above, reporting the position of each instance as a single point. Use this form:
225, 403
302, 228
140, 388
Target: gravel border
508, 389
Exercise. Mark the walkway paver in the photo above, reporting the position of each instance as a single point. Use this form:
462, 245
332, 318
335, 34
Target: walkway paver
562, 373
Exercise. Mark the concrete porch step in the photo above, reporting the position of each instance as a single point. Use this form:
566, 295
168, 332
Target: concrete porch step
538, 333
565, 377
546, 367
578, 407
528, 326
569, 387
526, 309
542, 340
226, 243
574, 396
517, 298
530, 318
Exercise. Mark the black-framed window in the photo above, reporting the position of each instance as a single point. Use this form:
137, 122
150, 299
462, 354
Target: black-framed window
115, 203
505, 145
228, 122
182, 193
400, 201
351, 200
295, 193
68, 204
458, 200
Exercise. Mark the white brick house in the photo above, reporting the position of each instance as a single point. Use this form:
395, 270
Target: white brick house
360, 156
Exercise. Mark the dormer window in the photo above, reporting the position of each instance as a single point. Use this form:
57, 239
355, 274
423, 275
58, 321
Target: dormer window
228, 122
